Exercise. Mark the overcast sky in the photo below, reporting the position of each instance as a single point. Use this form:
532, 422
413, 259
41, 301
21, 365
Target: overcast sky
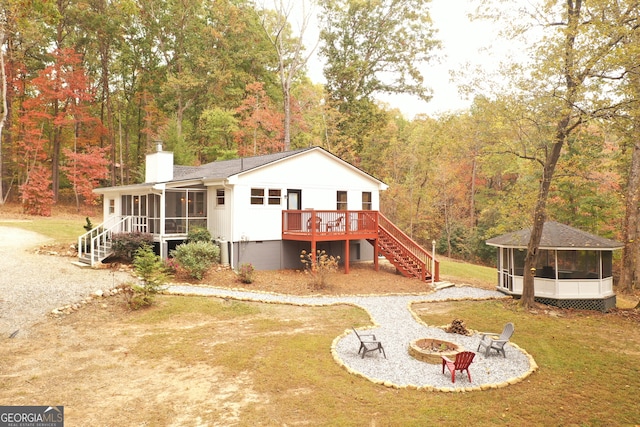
465, 43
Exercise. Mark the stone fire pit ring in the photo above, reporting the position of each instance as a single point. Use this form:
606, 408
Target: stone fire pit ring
431, 350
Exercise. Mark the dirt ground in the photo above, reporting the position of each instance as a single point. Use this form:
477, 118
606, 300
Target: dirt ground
93, 360
362, 279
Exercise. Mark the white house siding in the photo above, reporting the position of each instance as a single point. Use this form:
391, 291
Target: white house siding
219, 220
316, 173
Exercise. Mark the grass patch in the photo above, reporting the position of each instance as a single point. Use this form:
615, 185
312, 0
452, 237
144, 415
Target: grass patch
466, 272
60, 230
580, 356
204, 359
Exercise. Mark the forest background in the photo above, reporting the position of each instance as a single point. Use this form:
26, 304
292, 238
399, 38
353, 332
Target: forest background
90, 86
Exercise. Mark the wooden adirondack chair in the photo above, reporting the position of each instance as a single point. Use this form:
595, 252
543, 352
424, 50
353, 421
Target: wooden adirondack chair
369, 343
462, 362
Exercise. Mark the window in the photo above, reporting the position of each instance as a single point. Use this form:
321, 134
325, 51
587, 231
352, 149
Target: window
366, 200
126, 205
274, 197
220, 197
257, 196
342, 201
195, 202
112, 206
185, 209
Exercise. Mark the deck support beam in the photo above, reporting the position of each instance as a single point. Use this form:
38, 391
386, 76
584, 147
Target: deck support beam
346, 256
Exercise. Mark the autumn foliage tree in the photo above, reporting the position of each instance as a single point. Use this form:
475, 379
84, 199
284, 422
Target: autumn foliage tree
56, 115
260, 124
84, 170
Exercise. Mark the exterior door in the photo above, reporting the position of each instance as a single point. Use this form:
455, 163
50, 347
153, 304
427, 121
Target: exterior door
506, 267
294, 203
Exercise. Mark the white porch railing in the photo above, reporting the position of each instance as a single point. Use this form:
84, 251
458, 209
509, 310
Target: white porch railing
95, 244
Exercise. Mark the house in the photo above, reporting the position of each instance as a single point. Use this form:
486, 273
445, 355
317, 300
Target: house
262, 210
575, 268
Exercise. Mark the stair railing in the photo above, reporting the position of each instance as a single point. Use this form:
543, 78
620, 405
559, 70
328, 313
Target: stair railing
93, 240
417, 252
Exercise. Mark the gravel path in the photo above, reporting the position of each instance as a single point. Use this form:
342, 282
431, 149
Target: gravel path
32, 285
396, 327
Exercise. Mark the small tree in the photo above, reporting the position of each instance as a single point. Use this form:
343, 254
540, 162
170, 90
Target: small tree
246, 272
151, 271
36, 194
319, 267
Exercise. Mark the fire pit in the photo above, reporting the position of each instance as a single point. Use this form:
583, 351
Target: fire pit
430, 350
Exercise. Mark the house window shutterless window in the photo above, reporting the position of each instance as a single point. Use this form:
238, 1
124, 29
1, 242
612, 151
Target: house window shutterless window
220, 197
342, 201
257, 196
185, 209
366, 200
274, 197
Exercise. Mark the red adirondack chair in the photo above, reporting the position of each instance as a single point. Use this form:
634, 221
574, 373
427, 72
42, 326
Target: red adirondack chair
462, 362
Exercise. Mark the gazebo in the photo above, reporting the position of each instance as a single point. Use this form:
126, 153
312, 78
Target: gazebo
574, 267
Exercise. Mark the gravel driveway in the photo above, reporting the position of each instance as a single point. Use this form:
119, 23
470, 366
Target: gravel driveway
32, 285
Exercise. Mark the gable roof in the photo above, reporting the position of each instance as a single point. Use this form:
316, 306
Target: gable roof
223, 169
555, 236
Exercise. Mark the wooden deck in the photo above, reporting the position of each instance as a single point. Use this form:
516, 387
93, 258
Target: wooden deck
320, 226
310, 225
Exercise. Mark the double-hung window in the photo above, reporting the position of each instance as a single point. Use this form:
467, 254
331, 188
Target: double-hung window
341, 204
257, 196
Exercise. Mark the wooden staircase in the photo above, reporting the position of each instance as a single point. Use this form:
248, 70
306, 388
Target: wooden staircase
409, 258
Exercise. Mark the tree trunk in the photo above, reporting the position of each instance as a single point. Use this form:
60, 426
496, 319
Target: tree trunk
631, 253
629, 276
287, 118
563, 128
3, 115
540, 215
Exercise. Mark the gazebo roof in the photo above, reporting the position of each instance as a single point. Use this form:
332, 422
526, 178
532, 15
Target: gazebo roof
556, 236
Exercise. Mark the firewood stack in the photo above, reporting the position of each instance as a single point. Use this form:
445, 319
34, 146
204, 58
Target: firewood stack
457, 326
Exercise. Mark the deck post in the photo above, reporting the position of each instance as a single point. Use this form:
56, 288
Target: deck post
346, 256
376, 266
314, 257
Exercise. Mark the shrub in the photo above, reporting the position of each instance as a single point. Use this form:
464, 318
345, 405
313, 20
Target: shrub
246, 273
151, 271
198, 234
125, 245
320, 267
195, 258
88, 226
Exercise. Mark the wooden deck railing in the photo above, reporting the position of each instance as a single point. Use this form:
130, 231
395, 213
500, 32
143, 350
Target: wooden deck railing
424, 258
324, 225
329, 223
